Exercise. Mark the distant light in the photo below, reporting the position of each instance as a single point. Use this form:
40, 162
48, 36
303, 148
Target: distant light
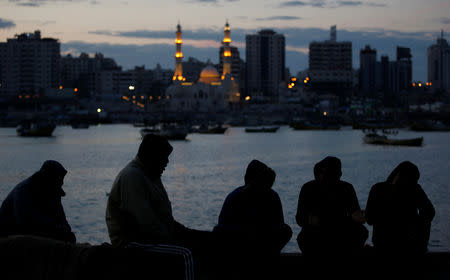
75, 89
420, 84
99, 110
131, 87
307, 78
305, 81
247, 98
414, 84
238, 94
294, 79
180, 78
134, 96
60, 87
431, 84
324, 113
142, 97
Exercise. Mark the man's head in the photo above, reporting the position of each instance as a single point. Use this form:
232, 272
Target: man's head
259, 176
406, 173
154, 153
52, 175
328, 170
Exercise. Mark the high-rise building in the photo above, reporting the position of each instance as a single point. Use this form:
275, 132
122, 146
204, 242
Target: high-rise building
404, 65
265, 64
439, 65
330, 65
29, 64
368, 71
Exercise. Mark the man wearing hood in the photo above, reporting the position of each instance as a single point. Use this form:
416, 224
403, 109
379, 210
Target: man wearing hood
34, 206
139, 210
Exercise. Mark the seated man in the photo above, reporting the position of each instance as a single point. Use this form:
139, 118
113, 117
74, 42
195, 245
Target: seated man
34, 206
138, 208
252, 218
329, 213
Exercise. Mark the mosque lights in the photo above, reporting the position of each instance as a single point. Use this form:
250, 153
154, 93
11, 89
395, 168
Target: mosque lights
178, 75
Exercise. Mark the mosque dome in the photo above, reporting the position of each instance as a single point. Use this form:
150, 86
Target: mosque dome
209, 75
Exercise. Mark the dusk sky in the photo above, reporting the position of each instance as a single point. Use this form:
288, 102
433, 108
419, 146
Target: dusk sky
141, 32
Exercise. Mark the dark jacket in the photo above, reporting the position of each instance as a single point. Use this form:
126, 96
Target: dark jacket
35, 209
401, 217
257, 216
333, 208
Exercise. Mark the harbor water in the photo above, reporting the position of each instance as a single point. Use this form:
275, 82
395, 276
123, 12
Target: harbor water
205, 168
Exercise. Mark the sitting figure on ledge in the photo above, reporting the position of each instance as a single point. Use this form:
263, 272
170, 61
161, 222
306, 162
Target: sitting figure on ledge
34, 206
400, 212
329, 214
252, 220
139, 210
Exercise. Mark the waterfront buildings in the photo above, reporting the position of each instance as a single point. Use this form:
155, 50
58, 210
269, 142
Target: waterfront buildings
439, 65
29, 65
330, 65
265, 65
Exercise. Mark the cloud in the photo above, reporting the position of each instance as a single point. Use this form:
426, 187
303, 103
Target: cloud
350, 3
4, 23
330, 4
302, 3
278, 18
38, 3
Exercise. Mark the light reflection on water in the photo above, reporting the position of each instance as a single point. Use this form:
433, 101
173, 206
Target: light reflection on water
204, 169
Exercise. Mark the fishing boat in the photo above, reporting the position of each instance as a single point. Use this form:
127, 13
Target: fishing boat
170, 132
269, 129
35, 129
210, 129
377, 139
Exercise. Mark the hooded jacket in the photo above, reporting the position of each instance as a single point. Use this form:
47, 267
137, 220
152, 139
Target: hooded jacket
138, 208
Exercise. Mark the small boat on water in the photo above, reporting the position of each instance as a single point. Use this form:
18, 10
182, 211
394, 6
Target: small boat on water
35, 129
210, 129
170, 132
377, 139
269, 129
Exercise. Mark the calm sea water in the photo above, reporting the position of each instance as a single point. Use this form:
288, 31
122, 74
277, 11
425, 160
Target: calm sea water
204, 169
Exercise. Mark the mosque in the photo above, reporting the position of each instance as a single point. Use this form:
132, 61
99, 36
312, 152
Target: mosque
212, 93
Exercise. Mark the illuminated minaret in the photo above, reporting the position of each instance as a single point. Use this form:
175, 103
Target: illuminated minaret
226, 51
178, 75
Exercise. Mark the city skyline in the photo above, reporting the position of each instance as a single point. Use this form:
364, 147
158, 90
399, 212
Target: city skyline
137, 32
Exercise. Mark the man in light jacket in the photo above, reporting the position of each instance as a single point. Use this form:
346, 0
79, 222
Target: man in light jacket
139, 209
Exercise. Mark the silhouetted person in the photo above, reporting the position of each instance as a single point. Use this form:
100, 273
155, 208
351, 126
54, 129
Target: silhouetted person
34, 206
329, 213
252, 218
400, 213
139, 209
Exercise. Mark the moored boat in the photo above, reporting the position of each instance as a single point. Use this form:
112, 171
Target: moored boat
170, 132
269, 129
35, 129
211, 129
376, 139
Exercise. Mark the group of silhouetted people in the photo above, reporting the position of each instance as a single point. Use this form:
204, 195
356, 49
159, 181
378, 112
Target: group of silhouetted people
251, 231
